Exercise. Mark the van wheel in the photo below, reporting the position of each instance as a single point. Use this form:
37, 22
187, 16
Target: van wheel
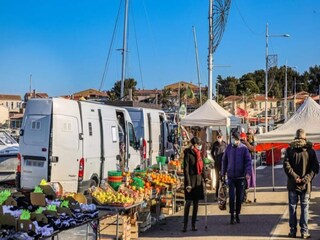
93, 183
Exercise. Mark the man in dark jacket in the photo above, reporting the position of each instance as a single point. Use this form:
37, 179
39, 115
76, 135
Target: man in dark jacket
300, 165
236, 163
217, 151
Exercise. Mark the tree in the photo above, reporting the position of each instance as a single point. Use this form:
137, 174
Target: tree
165, 99
227, 86
129, 83
248, 88
314, 79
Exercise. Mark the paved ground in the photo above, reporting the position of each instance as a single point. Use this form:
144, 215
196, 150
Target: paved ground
267, 218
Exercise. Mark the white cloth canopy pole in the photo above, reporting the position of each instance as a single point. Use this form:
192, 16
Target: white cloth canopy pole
255, 174
272, 169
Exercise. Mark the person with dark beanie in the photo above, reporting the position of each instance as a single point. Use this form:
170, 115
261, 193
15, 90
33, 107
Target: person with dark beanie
301, 166
194, 176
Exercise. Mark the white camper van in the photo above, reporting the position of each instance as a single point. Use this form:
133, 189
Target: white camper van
73, 142
152, 129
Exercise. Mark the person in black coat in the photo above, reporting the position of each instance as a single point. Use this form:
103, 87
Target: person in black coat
194, 176
217, 151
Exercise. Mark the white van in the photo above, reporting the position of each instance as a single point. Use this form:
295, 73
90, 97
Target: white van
152, 129
73, 142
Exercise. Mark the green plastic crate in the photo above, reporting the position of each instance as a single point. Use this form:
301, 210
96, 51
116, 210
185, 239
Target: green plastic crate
161, 159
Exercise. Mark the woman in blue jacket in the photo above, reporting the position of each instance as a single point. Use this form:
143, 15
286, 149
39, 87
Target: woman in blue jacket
237, 164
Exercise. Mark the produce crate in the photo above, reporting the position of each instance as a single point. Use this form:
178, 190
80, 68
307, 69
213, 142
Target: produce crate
167, 210
108, 227
134, 231
114, 173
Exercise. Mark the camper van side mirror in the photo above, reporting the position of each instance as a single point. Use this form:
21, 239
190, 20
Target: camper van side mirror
21, 132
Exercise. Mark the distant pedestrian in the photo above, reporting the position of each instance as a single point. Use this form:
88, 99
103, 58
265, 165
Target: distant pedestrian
237, 164
301, 165
194, 176
243, 134
251, 182
217, 151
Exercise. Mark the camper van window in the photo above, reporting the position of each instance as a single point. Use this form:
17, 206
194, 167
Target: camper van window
131, 135
114, 133
121, 133
90, 129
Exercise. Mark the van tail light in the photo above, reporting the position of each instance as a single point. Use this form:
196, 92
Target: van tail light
19, 164
81, 169
144, 149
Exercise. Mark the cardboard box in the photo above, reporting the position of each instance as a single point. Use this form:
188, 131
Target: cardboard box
64, 210
39, 217
8, 220
77, 197
10, 201
50, 213
25, 226
38, 199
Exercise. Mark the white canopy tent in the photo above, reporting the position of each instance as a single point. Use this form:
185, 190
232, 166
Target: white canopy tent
209, 114
306, 117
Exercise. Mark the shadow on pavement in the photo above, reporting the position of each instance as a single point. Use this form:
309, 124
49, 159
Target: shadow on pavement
251, 225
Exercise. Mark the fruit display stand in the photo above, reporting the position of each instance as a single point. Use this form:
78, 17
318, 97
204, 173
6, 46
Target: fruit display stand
117, 211
140, 194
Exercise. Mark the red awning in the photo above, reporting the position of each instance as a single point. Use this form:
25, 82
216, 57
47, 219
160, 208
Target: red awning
261, 147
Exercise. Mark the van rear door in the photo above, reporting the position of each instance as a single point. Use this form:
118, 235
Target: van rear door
34, 142
66, 151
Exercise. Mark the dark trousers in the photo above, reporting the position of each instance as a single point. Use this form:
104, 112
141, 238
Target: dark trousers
194, 212
236, 189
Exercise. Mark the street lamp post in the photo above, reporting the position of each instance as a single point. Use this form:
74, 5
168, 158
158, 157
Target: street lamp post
286, 94
267, 68
295, 95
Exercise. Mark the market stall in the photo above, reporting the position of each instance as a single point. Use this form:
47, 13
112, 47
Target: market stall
44, 213
306, 117
122, 206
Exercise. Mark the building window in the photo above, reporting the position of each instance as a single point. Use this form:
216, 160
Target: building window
11, 105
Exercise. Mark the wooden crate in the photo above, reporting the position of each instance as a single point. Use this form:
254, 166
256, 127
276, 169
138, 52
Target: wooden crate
167, 210
108, 227
134, 231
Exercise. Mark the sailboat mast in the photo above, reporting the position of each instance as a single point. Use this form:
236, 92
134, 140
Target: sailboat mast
197, 61
124, 49
210, 56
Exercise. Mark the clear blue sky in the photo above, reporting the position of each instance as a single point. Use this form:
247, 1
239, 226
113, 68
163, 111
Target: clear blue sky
64, 44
